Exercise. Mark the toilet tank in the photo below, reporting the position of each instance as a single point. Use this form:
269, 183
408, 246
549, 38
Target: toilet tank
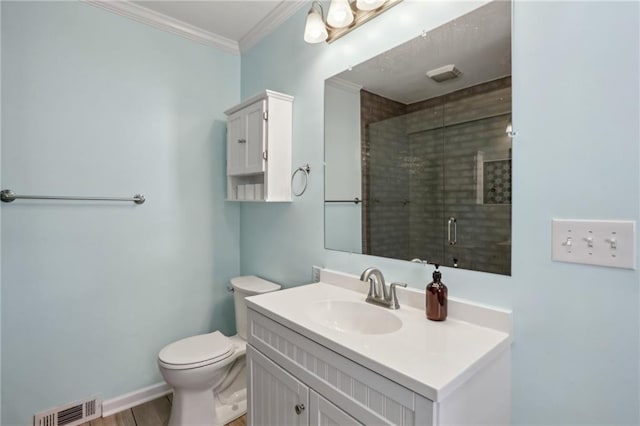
246, 286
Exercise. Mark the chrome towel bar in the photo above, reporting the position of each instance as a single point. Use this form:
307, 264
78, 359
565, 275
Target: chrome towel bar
8, 196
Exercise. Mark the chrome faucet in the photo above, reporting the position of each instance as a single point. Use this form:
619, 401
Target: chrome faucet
378, 294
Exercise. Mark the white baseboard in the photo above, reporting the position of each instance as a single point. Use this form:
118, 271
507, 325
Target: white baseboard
140, 396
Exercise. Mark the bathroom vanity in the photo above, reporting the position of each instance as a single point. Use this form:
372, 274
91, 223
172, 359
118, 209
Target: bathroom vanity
318, 354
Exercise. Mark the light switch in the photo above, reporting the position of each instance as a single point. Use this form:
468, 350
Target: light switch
595, 242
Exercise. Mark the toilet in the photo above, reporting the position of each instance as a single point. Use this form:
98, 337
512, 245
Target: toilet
207, 371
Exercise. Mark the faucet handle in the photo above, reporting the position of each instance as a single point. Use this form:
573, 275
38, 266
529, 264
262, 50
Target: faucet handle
393, 298
394, 285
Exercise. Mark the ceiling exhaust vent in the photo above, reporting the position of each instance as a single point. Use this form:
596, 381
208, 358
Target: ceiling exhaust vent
447, 72
70, 414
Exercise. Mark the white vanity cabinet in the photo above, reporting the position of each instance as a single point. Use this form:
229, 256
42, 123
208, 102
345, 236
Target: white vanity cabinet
282, 359
425, 373
259, 148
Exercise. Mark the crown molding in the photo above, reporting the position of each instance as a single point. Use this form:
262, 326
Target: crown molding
277, 16
166, 23
343, 84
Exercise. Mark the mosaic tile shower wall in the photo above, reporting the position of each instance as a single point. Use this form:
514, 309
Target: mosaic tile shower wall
497, 182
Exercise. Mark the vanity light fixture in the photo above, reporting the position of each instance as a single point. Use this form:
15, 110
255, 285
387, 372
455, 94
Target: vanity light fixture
340, 14
315, 31
343, 17
369, 4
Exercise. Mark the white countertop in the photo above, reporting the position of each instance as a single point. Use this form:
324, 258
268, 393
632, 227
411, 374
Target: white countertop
431, 358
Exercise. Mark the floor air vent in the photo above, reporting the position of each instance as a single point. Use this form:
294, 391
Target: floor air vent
70, 414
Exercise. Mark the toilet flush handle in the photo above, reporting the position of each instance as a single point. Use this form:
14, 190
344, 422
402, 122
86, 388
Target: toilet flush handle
230, 289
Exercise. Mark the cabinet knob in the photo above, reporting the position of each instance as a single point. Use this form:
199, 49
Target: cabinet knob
242, 141
299, 408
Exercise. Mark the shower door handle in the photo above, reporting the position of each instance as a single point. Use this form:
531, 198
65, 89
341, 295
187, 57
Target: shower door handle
454, 222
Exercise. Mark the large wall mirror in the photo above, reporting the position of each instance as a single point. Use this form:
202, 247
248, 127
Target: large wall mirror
418, 148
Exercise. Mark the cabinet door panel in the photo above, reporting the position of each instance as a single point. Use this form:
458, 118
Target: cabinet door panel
324, 413
236, 143
274, 394
255, 138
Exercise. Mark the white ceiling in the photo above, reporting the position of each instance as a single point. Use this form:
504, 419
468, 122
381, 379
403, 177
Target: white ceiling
231, 25
478, 43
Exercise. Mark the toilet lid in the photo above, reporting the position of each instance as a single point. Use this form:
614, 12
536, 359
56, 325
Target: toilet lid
252, 285
197, 349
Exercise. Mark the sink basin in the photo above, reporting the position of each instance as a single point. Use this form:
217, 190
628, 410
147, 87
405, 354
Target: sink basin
353, 317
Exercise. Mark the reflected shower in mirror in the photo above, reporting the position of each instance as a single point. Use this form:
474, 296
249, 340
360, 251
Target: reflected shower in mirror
418, 148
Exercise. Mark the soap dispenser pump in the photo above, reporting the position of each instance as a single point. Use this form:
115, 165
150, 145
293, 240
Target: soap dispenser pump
436, 298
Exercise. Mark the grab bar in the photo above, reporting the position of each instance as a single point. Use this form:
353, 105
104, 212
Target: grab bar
8, 196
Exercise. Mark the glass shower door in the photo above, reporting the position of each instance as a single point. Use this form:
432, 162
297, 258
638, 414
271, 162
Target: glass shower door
427, 197
387, 194
477, 195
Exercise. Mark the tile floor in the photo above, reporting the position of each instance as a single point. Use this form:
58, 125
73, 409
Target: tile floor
152, 413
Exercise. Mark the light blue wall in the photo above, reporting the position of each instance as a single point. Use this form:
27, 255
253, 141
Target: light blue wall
96, 104
343, 222
342, 157
342, 150
576, 156
575, 104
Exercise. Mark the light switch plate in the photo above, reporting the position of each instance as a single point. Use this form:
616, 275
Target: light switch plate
595, 242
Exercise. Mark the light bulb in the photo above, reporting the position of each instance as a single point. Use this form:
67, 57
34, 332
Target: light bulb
340, 14
369, 4
315, 30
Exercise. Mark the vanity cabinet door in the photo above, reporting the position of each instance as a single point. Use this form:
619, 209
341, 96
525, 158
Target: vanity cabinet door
275, 397
324, 413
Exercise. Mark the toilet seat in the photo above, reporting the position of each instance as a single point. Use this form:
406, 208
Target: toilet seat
196, 351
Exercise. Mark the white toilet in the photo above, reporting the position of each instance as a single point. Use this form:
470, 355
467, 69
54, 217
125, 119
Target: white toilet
207, 372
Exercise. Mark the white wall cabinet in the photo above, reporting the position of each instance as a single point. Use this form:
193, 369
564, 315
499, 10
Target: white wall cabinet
259, 148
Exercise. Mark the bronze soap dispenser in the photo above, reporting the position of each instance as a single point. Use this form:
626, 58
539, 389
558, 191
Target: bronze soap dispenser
436, 298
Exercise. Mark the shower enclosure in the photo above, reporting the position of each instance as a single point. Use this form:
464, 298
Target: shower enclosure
437, 181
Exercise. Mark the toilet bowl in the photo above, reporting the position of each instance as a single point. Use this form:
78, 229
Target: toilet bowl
207, 371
